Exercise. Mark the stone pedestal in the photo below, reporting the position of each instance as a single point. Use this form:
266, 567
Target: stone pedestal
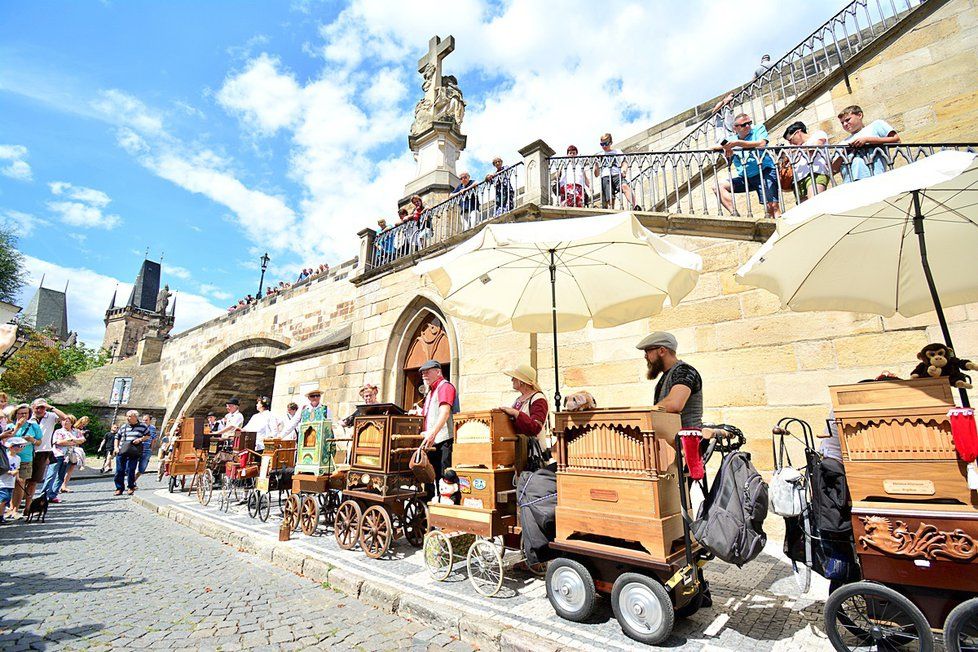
436, 150
150, 349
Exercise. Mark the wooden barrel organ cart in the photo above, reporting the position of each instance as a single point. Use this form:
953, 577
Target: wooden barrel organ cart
488, 456
216, 453
275, 472
185, 454
240, 471
382, 499
915, 521
319, 477
619, 528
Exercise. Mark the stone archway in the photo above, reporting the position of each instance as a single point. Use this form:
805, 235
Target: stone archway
421, 333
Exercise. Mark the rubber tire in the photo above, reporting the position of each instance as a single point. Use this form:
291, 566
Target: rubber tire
661, 595
956, 621
172, 484
843, 593
590, 594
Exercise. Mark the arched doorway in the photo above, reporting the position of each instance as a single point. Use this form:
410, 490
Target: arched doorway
429, 341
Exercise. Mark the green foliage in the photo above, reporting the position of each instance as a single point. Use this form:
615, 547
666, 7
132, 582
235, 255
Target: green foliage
13, 273
96, 429
42, 359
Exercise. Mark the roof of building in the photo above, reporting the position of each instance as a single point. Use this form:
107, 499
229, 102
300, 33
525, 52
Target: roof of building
48, 309
147, 286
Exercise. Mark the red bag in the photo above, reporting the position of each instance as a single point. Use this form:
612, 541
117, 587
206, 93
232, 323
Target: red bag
965, 433
691, 452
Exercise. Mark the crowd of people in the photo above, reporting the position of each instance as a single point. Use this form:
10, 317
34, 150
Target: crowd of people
282, 286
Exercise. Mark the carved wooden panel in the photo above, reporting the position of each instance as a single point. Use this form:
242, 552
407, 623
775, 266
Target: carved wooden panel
429, 342
911, 437
927, 541
472, 431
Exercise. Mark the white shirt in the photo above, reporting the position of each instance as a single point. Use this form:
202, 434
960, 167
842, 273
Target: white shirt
264, 425
235, 419
609, 165
572, 174
7, 480
291, 429
48, 425
816, 158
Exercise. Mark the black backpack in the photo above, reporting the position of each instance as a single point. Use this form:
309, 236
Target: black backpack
4, 460
730, 521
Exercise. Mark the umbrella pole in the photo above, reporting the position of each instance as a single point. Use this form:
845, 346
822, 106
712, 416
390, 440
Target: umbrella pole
553, 313
918, 228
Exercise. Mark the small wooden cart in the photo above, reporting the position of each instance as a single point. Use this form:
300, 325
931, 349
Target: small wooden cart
382, 499
488, 456
240, 472
915, 521
620, 487
274, 475
185, 459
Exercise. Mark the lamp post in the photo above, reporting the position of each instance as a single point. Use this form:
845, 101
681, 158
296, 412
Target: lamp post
264, 265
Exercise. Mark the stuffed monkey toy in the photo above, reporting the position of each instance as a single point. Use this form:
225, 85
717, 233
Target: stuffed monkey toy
937, 360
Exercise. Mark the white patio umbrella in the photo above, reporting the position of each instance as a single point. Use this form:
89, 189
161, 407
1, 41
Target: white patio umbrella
862, 247
561, 275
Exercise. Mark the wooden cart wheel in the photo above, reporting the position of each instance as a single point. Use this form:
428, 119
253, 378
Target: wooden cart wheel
290, 517
309, 517
205, 487
868, 614
485, 566
438, 555
643, 608
415, 522
253, 500
346, 528
172, 484
265, 506
376, 531
961, 627
570, 589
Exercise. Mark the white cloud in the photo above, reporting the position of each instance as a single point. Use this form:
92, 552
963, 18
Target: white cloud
213, 291
264, 99
89, 294
17, 168
23, 224
176, 270
82, 206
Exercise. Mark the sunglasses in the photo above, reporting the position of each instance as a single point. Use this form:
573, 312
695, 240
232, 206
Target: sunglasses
744, 124
315, 396
604, 144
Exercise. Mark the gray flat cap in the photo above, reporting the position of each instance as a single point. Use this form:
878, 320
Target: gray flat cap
657, 339
430, 364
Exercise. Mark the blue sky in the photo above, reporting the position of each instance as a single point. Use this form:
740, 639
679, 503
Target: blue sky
211, 132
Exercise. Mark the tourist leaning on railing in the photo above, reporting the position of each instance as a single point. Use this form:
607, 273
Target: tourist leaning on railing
870, 160
612, 168
469, 204
748, 175
505, 194
810, 168
573, 182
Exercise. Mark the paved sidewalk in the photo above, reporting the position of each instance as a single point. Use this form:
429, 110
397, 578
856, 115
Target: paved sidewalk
756, 607
104, 573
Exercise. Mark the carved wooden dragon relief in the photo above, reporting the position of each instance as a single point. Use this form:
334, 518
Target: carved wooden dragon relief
927, 542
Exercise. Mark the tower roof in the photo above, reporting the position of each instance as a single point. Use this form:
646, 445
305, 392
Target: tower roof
147, 286
48, 309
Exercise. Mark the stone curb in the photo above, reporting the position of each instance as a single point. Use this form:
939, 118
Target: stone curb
485, 633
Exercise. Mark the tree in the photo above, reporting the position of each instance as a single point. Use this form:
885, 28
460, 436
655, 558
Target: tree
13, 273
42, 359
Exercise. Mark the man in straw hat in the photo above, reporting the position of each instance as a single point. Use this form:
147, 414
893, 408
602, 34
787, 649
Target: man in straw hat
314, 410
440, 403
530, 412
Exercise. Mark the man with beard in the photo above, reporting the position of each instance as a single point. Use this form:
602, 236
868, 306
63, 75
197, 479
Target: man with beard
680, 390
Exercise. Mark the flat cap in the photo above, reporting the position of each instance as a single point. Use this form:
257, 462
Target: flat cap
430, 364
657, 339
232, 401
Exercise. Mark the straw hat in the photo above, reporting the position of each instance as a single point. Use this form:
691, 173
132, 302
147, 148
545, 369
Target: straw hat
314, 390
526, 374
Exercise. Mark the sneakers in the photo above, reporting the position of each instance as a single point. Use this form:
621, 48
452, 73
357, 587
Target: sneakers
56, 499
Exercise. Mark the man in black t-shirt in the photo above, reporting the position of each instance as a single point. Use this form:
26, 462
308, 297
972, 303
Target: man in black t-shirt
680, 390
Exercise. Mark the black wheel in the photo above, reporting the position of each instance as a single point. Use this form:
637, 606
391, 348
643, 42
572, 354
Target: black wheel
264, 506
570, 589
283, 497
866, 613
253, 499
171, 485
328, 507
643, 608
961, 627
415, 522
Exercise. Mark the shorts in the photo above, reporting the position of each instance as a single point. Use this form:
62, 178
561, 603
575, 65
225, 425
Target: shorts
610, 186
26, 471
40, 465
770, 179
6, 493
805, 183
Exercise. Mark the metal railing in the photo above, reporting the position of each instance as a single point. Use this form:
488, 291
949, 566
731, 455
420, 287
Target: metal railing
705, 182
482, 202
823, 52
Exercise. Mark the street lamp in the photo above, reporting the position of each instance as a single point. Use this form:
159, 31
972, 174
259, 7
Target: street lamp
264, 265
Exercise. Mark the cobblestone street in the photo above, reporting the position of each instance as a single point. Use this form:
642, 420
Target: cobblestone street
104, 573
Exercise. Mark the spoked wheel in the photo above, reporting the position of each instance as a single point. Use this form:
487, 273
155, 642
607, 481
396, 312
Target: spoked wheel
328, 506
264, 506
485, 566
171, 486
570, 589
961, 627
415, 522
253, 500
643, 608
438, 555
869, 614
346, 528
205, 487
290, 516
376, 531
283, 497
309, 517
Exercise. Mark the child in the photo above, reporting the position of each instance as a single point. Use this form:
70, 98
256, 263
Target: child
7, 481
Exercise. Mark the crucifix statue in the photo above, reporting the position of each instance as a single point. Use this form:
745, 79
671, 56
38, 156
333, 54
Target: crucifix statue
442, 99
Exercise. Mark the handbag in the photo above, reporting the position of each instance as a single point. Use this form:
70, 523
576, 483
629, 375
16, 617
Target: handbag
130, 449
786, 174
786, 493
421, 466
